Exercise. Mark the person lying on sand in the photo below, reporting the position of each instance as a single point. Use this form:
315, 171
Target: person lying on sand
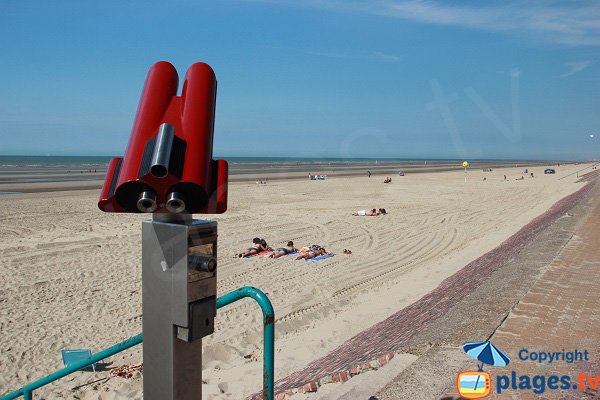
283, 251
381, 211
258, 245
314, 251
364, 213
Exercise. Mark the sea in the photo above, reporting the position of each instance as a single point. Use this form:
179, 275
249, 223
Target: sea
101, 162
57, 162
29, 169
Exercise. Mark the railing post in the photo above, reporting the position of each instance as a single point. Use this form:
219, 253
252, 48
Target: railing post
268, 335
269, 359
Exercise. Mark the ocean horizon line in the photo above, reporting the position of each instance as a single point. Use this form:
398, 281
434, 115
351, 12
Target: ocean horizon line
325, 158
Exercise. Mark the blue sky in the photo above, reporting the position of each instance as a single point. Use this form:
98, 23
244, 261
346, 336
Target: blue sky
379, 78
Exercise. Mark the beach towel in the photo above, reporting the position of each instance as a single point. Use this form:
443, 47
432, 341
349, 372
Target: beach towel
318, 258
262, 253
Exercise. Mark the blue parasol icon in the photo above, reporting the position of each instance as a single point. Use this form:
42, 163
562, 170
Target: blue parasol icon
487, 353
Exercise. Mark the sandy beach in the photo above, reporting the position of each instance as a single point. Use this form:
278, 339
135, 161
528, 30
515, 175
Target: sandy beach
71, 274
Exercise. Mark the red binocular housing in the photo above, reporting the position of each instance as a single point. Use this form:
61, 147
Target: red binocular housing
168, 165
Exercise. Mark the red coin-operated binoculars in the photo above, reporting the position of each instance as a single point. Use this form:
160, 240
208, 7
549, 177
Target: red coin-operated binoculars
168, 165
168, 170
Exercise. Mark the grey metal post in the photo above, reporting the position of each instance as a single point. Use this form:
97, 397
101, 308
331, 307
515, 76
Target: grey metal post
179, 303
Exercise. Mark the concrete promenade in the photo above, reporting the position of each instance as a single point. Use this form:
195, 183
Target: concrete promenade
559, 313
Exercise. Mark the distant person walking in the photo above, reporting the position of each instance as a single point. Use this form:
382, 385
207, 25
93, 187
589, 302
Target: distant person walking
369, 173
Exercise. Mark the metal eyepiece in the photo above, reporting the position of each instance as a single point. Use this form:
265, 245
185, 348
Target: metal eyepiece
175, 202
147, 201
161, 156
203, 263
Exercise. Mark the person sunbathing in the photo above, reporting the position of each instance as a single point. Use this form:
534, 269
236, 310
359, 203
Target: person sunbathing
283, 251
264, 244
364, 213
258, 245
315, 251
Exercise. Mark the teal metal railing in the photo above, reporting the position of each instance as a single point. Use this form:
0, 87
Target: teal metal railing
226, 299
268, 335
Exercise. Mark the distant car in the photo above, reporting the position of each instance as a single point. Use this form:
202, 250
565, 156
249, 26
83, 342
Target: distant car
549, 171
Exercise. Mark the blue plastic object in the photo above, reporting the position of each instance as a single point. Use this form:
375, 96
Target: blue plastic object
71, 357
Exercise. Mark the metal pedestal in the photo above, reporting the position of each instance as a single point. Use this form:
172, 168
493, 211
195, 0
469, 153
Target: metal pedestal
179, 305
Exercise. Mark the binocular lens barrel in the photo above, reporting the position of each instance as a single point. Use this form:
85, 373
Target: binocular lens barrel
147, 201
203, 263
161, 156
176, 202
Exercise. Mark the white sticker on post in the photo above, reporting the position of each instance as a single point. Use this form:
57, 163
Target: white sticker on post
164, 265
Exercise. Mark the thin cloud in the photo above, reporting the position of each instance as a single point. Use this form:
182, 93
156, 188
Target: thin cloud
385, 56
559, 21
574, 67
